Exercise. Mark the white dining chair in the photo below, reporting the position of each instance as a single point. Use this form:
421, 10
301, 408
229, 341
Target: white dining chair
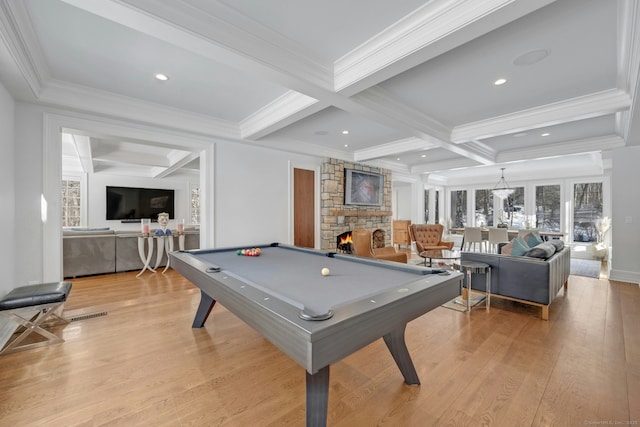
473, 238
497, 236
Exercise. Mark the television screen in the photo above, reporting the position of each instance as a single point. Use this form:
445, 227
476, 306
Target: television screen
363, 188
138, 203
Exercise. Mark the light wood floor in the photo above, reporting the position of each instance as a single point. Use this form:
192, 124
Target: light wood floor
142, 364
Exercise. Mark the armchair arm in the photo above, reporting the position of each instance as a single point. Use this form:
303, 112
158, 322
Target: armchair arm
389, 253
449, 245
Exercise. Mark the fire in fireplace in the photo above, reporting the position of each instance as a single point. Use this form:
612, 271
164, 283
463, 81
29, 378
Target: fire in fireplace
343, 242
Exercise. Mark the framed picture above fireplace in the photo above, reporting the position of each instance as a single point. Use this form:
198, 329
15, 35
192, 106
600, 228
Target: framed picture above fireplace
363, 188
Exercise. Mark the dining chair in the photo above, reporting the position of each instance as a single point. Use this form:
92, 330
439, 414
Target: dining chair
473, 236
496, 236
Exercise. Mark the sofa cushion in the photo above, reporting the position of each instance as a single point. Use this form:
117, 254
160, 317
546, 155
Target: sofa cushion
532, 239
543, 251
520, 247
558, 244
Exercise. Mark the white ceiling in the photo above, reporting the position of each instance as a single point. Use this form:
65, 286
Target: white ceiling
412, 81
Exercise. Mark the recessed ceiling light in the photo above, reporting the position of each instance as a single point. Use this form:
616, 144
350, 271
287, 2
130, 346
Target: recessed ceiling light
397, 158
162, 77
545, 134
346, 145
345, 132
424, 155
500, 81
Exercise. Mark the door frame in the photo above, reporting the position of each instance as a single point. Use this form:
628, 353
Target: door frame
316, 198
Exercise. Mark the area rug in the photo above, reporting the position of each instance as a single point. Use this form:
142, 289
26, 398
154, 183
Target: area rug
585, 267
458, 304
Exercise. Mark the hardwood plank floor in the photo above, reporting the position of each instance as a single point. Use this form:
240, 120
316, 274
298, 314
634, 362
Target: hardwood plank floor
142, 364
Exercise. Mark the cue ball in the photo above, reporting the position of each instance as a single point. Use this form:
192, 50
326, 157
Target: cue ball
325, 271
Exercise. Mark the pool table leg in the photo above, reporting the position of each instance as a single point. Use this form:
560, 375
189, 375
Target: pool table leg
398, 348
205, 307
317, 397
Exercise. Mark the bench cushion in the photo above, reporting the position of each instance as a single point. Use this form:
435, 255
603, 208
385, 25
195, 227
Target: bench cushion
27, 296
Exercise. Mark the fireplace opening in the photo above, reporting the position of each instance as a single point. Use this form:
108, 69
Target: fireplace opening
344, 242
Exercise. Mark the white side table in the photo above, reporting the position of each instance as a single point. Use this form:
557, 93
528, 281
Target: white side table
165, 244
145, 257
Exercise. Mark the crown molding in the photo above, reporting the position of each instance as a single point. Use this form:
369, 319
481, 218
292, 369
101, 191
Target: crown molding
443, 165
18, 35
177, 162
282, 111
583, 107
377, 104
563, 148
429, 31
392, 148
386, 104
76, 97
629, 67
221, 34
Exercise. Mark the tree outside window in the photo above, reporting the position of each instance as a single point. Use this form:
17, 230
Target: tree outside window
70, 194
484, 208
195, 205
587, 211
513, 209
459, 208
426, 206
548, 208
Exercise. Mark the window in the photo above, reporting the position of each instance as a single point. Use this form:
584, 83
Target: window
70, 202
195, 205
459, 208
548, 208
426, 206
587, 210
513, 209
484, 208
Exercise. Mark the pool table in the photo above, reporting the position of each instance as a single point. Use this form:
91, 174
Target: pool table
315, 319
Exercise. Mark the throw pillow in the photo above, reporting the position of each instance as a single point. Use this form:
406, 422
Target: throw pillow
542, 251
532, 239
520, 247
558, 244
505, 248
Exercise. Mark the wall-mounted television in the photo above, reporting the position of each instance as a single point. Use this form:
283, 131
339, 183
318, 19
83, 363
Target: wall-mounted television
129, 203
363, 188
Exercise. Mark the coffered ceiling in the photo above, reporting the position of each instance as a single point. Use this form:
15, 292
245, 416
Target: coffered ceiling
411, 81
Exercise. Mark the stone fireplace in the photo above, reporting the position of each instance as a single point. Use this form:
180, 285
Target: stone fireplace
338, 218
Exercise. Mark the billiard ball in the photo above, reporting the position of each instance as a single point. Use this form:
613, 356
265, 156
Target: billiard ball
325, 271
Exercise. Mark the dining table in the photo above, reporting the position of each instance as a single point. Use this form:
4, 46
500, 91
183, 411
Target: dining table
512, 233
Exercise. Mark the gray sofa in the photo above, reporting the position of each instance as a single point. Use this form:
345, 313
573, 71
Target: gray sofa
90, 252
525, 279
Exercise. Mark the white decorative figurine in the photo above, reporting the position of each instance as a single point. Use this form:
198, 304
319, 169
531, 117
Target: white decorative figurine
163, 220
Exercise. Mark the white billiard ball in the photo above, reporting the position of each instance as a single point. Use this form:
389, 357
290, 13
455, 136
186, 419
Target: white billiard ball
325, 271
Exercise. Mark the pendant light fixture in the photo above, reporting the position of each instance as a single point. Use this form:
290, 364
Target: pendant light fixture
502, 189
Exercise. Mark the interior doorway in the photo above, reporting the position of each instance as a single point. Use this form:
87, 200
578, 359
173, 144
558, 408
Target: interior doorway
303, 208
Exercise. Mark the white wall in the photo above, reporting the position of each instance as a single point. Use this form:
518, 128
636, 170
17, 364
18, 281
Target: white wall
253, 194
625, 219
7, 192
96, 206
403, 198
29, 182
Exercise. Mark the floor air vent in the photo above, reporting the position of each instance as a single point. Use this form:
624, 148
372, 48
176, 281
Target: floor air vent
88, 316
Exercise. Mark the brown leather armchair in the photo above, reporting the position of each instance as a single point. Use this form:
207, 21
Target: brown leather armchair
428, 237
362, 246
